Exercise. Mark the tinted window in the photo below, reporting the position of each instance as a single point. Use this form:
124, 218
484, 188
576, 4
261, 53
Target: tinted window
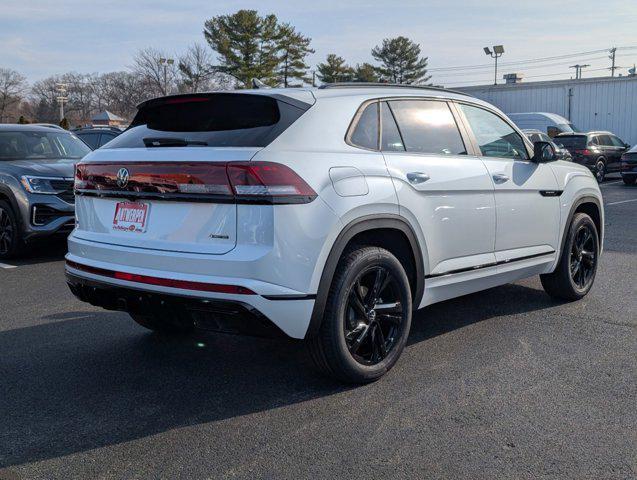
33, 145
216, 119
594, 141
544, 137
427, 127
91, 139
571, 142
106, 137
495, 137
365, 133
617, 142
605, 140
534, 137
391, 140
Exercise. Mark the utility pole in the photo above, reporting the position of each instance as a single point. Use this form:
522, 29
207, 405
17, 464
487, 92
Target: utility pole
612, 58
578, 70
497, 52
62, 98
165, 62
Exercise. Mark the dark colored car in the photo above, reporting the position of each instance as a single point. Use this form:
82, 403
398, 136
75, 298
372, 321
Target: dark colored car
599, 151
537, 136
37, 166
628, 166
95, 137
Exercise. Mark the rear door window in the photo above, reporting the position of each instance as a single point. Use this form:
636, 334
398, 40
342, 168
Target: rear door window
365, 132
427, 127
605, 141
91, 139
216, 119
391, 141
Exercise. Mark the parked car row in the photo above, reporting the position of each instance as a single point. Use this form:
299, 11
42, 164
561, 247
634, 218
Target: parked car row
602, 152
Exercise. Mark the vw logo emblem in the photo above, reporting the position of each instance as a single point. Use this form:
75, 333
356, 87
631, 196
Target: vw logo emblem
122, 177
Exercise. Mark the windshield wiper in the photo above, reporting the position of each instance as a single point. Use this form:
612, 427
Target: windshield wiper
171, 142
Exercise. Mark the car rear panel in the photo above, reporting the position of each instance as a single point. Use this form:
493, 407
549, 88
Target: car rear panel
180, 225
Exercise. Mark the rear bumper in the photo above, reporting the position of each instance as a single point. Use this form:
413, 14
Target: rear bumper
207, 314
258, 313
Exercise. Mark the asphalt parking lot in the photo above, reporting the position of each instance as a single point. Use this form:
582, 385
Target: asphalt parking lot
502, 384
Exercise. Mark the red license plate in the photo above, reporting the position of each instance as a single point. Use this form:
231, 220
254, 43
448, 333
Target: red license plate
130, 217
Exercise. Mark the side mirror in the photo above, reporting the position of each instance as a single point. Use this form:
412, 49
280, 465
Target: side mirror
543, 152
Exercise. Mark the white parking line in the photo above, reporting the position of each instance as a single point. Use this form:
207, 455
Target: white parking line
622, 201
7, 267
611, 183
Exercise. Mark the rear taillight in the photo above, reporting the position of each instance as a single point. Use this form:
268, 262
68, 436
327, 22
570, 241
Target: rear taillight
586, 151
256, 179
261, 182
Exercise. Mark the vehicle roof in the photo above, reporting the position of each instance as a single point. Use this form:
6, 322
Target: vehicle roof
551, 116
362, 91
18, 127
584, 134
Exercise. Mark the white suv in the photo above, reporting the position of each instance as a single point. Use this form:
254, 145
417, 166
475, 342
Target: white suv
324, 214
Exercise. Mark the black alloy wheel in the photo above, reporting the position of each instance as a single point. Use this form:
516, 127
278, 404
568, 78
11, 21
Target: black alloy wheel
583, 257
7, 232
375, 317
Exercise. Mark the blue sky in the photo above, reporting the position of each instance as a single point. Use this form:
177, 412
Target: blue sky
44, 37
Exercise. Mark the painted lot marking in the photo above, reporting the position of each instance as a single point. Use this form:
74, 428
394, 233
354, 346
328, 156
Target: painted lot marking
611, 183
622, 201
6, 266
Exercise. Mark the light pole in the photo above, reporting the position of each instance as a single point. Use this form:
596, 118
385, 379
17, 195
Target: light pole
497, 52
165, 62
62, 98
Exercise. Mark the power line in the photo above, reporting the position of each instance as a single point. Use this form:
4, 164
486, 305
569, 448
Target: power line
529, 61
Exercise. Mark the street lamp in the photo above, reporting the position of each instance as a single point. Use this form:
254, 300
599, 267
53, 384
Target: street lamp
497, 52
165, 62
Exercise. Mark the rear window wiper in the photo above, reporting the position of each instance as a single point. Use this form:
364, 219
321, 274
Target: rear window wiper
171, 142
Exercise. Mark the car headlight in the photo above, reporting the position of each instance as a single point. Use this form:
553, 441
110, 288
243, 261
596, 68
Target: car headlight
39, 184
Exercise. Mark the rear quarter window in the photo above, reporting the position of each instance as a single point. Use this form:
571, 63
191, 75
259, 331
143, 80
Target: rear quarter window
217, 120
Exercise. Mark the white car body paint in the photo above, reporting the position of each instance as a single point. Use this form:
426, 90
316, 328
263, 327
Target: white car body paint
468, 227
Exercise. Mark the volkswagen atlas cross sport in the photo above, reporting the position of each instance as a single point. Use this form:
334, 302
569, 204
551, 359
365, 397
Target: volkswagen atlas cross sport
326, 214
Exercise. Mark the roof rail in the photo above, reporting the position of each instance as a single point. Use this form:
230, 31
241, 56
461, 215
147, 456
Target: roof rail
389, 85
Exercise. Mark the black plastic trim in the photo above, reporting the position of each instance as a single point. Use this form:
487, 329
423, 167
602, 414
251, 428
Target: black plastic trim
551, 193
289, 297
207, 314
580, 201
363, 224
199, 198
492, 264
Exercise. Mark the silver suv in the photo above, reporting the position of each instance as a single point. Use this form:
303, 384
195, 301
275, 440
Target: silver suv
36, 184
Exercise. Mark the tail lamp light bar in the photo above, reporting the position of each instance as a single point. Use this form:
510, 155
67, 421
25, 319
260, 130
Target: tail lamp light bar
162, 282
236, 182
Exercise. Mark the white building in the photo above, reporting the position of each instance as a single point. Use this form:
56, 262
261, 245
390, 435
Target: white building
603, 103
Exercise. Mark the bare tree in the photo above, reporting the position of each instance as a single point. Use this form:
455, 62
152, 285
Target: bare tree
13, 86
159, 78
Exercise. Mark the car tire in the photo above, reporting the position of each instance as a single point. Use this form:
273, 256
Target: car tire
576, 270
600, 170
629, 180
164, 323
367, 317
11, 243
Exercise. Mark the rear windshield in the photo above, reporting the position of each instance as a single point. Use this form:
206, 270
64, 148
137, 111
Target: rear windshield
571, 141
217, 120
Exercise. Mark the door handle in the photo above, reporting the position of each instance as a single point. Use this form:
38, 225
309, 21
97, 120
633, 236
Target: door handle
500, 177
417, 177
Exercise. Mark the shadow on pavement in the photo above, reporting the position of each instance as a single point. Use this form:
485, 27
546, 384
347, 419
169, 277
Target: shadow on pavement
42, 251
86, 380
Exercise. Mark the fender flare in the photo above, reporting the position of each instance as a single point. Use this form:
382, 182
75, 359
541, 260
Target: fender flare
6, 192
577, 203
363, 224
